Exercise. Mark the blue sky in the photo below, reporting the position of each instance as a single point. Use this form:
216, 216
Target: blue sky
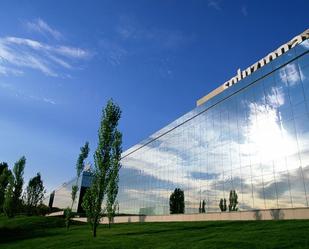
60, 61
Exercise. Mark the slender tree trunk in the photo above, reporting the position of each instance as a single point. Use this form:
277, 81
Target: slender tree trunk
94, 230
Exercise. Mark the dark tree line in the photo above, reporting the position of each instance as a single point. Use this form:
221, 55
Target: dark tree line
5, 175
104, 186
11, 187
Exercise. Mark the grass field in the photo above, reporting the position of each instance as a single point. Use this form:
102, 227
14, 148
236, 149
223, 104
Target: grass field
49, 232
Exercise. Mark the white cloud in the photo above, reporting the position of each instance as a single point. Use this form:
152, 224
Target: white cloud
20, 53
214, 4
72, 52
50, 101
16, 52
42, 27
13, 91
265, 138
131, 29
112, 52
290, 75
6, 86
60, 62
276, 97
39, 98
161, 38
244, 10
4, 71
305, 44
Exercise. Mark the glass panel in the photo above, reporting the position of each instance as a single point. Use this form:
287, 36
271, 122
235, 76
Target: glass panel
298, 193
270, 191
283, 189
304, 74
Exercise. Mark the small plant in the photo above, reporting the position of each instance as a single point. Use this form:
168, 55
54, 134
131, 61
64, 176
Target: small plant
68, 215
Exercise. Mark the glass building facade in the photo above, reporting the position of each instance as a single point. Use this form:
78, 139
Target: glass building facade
61, 197
252, 138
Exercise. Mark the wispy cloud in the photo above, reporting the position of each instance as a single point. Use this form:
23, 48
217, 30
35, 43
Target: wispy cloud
50, 58
44, 99
129, 32
131, 38
244, 10
17, 92
42, 27
72, 52
112, 51
18, 53
161, 38
214, 4
9, 71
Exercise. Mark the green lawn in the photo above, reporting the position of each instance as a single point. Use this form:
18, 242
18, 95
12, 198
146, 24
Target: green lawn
49, 232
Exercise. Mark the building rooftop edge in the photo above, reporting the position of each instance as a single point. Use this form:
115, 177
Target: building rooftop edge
242, 74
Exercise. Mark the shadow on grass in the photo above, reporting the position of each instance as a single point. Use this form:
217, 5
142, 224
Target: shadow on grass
11, 235
21, 228
223, 225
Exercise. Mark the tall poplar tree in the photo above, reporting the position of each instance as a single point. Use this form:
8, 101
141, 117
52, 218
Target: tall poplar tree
106, 166
5, 174
112, 188
13, 202
8, 205
34, 193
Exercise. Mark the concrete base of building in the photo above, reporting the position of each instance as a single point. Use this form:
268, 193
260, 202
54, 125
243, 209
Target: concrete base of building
269, 214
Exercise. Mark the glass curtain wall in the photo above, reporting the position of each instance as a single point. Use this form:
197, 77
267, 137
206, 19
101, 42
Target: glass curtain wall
254, 141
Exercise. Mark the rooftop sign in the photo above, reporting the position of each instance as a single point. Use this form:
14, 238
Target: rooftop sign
249, 70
